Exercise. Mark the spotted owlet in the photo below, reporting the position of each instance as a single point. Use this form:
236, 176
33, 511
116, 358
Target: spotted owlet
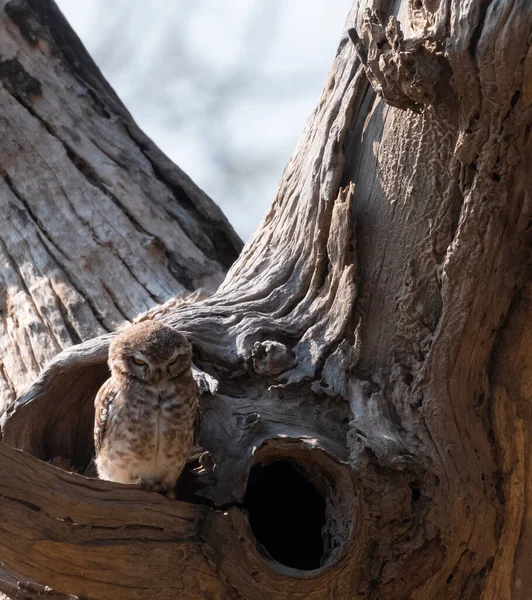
145, 412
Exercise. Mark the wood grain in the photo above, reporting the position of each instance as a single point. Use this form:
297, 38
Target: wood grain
375, 331
96, 224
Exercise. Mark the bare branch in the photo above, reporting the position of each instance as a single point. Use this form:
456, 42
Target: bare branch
100, 540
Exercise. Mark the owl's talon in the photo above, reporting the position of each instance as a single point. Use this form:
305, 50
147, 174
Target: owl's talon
155, 486
146, 485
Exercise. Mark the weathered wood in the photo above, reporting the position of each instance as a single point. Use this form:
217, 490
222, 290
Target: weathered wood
116, 541
375, 331
96, 225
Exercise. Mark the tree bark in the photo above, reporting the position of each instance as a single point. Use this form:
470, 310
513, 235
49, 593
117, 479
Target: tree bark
96, 225
373, 336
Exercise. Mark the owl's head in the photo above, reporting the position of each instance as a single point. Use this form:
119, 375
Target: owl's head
151, 352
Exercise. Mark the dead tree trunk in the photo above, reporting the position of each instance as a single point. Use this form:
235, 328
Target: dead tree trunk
371, 344
96, 225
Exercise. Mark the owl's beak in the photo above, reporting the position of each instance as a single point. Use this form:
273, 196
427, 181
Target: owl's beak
157, 375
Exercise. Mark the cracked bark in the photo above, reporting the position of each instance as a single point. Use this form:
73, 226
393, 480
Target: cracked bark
375, 331
95, 224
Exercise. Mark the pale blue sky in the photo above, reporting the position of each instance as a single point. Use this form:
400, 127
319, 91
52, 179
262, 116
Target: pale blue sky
223, 88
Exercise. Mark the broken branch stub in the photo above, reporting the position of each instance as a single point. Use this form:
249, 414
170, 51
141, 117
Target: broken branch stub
406, 73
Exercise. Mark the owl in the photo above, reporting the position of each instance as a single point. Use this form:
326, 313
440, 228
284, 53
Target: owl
145, 412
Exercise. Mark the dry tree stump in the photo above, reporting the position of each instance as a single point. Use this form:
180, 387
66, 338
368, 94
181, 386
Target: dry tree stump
365, 365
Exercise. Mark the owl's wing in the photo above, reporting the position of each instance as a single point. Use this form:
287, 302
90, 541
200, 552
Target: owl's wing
198, 421
196, 451
105, 397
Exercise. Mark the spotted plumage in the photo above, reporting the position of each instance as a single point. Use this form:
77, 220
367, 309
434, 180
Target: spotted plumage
145, 412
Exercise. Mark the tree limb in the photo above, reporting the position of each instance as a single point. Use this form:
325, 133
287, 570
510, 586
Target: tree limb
100, 540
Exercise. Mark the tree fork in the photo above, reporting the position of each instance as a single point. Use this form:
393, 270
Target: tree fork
372, 340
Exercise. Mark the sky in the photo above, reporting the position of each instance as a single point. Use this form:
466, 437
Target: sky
223, 88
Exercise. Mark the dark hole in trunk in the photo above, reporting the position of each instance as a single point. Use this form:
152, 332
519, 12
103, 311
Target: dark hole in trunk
286, 514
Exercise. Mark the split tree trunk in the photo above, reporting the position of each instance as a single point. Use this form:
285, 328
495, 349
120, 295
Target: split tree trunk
375, 333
